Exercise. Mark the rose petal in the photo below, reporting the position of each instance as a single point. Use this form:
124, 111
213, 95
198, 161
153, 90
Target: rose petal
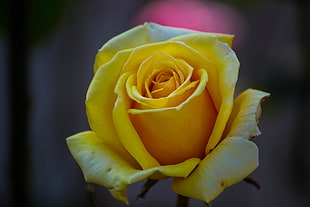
99, 107
119, 195
175, 134
228, 68
149, 69
223, 87
182, 169
100, 100
210, 46
103, 166
178, 50
149, 103
225, 38
234, 158
229, 163
125, 131
140, 35
160, 62
245, 114
127, 134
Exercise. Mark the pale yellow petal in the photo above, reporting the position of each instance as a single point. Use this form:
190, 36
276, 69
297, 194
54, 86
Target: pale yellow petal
100, 101
119, 195
225, 38
229, 163
227, 64
175, 49
245, 114
228, 68
103, 166
125, 130
221, 88
182, 169
137, 36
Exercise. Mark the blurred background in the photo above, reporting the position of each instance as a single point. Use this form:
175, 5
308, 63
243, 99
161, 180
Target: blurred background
47, 50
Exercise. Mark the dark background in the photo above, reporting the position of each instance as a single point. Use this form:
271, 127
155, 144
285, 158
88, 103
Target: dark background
47, 50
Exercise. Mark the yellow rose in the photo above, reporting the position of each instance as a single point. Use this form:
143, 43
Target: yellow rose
161, 104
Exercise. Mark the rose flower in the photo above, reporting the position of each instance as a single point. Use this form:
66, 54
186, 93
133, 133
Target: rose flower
161, 104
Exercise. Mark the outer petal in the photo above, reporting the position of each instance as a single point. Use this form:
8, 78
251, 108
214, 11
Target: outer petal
176, 49
140, 35
214, 49
125, 131
103, 166
100, 101
230, 162
144, 34
245, 114
225, 38
221, 89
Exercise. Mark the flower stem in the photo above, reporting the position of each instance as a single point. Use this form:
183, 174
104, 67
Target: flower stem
182, 201
90, 195
146, 187
208, 204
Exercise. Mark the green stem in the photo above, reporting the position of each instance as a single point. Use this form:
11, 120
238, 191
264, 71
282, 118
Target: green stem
182, 201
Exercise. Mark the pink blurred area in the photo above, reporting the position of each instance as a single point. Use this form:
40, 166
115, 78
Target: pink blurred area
207, 16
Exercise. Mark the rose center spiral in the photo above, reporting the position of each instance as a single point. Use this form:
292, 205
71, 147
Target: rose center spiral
164, 84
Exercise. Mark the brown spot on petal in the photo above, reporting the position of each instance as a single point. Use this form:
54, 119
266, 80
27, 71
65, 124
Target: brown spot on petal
222, 183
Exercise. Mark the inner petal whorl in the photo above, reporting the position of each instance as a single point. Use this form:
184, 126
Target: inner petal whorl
163, 85
158, 71
161, 81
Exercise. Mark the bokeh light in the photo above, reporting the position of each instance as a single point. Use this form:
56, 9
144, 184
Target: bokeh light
207, 16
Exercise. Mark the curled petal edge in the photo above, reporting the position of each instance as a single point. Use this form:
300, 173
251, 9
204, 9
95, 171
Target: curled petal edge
222, 80
229, 163
103, 166
245, 114
233, 159
144, 34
